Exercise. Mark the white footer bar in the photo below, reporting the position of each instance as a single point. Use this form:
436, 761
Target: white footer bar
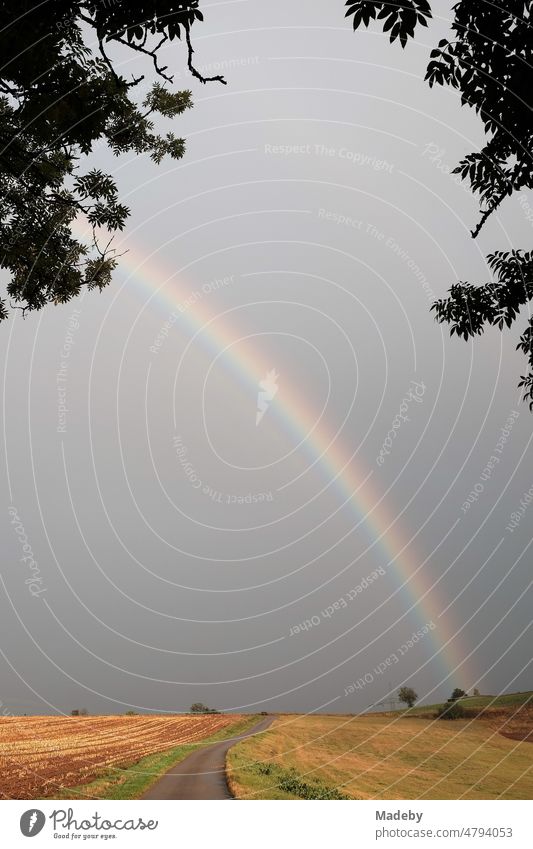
269, 825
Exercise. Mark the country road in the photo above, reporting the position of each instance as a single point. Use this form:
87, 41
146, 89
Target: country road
201, 775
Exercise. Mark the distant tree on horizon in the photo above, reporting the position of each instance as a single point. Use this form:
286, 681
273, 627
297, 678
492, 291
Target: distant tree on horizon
458, 694
408, 696
199, 707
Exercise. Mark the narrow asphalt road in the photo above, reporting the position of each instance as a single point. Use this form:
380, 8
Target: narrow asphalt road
201, 775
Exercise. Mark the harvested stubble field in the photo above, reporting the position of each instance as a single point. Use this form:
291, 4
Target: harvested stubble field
40, 755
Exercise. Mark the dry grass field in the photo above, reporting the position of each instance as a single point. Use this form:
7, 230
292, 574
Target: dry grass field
41, 755
388, 756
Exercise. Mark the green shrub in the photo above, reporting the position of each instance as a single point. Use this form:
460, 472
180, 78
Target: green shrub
451, 710
290, 782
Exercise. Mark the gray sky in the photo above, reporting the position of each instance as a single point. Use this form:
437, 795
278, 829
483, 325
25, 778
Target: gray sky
179, 542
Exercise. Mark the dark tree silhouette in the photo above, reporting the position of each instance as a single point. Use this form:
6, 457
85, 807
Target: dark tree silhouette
58, 99
399, 19
489, 61
408, 696
457, 694
199, 707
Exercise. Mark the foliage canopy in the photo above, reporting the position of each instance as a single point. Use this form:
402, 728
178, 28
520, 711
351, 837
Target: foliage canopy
59, 99
489, 61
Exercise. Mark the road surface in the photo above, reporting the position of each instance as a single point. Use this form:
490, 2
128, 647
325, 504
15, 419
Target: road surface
201, 775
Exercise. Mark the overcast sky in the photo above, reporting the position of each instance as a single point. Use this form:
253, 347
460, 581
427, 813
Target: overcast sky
250, 470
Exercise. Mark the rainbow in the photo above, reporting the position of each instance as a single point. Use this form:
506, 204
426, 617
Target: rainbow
354, 485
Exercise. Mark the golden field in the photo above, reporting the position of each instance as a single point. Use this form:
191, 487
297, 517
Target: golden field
387, 756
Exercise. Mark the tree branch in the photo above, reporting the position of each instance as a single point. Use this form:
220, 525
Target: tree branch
486, 215
192, 69
159, 70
